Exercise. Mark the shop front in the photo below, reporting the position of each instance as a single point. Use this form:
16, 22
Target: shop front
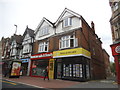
39, 62
116, 54
72, 64
25, 66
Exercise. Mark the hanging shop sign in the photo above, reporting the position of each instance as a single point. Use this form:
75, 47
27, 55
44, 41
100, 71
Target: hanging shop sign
115, 49
42, 56
71, 53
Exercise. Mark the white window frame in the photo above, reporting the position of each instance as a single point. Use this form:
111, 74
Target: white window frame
44, 31
63, 42
67, 22
14, 51
42, 47
26, 48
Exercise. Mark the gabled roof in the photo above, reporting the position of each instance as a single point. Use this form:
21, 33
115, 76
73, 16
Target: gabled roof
29, 31
46, 20
63, 13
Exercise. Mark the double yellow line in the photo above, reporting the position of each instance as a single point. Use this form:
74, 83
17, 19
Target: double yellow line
9, 82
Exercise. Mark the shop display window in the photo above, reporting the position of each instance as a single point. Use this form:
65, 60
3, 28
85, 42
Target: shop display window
87, 71
38, 67
72, 70
67, 70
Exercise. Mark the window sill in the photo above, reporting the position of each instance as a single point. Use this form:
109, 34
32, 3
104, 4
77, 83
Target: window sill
66, 48
42, 51
67, 26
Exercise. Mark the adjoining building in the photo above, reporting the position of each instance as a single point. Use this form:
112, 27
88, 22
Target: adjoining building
26, 51
42, 55
5, 56
107, 64
115, 29
15, 46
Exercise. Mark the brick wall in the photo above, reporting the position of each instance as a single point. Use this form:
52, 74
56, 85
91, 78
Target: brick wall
92, 43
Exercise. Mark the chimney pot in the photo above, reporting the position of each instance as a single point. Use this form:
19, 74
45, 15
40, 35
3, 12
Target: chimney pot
93, 26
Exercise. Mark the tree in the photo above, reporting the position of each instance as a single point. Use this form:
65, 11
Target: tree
112, 67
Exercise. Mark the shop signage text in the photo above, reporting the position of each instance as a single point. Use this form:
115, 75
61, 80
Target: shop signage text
42, 55
72, 52
25, 60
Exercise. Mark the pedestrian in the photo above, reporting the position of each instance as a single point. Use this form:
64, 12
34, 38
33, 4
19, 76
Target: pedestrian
6, 72
46, 72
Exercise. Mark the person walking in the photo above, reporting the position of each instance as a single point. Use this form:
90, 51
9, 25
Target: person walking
46, 72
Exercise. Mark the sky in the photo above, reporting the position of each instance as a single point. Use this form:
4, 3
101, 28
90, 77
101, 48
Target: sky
31, 12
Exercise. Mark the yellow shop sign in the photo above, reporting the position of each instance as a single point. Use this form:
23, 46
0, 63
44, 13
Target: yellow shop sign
72, 52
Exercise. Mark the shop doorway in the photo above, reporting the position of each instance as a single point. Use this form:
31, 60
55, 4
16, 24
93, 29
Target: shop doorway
24, 69
59, 70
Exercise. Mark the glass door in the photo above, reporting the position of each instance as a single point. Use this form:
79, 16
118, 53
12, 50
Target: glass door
59, 70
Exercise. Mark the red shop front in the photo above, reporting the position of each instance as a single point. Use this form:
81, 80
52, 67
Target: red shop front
116, 54
38, 64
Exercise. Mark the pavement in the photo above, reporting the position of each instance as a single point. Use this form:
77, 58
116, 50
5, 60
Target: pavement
40, 83
57, 83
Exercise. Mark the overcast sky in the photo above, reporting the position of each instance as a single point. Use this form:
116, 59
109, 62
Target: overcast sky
31, 12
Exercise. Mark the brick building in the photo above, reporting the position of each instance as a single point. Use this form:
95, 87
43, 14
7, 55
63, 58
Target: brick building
70, 47
5, 48
107, 63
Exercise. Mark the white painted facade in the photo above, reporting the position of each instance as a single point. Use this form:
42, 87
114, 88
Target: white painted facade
76, 23
44, 24
75, 18
27, 47
13, 48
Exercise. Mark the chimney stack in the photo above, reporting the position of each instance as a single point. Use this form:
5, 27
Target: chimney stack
93, 26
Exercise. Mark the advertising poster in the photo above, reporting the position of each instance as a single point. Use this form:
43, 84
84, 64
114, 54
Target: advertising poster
15, 71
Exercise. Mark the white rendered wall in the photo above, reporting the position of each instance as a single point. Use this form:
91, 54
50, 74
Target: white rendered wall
51, 31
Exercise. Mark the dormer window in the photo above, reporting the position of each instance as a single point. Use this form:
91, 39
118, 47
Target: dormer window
67, 22
44, 31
